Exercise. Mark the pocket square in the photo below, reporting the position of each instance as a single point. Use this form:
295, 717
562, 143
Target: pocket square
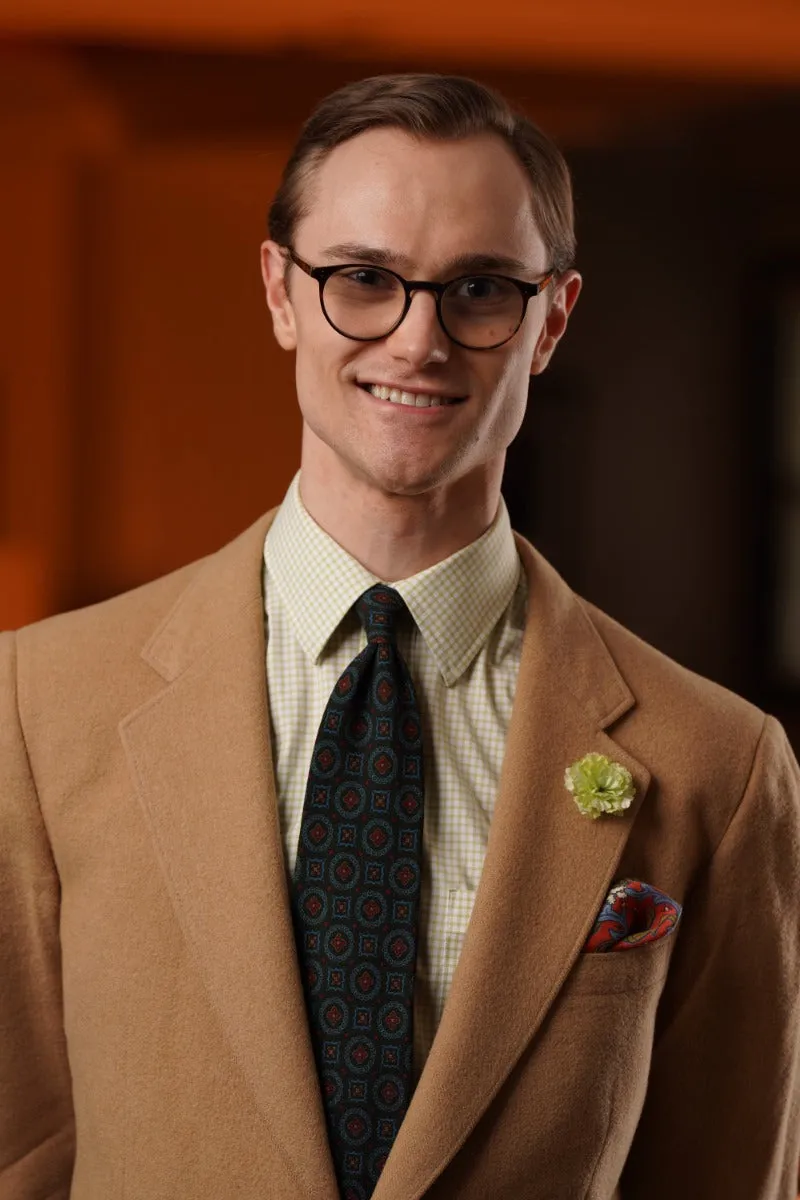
633, 914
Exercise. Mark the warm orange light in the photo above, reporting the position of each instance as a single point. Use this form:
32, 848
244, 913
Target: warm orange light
748, 39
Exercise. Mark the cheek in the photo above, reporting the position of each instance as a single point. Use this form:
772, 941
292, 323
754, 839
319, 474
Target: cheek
506, 380
505, 386
321, 355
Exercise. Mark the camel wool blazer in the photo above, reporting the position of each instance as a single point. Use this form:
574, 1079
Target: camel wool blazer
153, 1037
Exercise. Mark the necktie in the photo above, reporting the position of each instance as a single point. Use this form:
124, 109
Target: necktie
355, 897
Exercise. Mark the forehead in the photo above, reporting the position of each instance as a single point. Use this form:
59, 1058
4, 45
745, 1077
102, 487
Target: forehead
427, 200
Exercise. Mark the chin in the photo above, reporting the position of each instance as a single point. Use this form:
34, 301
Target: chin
403, 479
414, 481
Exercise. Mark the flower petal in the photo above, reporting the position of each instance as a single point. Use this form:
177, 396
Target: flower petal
599, 786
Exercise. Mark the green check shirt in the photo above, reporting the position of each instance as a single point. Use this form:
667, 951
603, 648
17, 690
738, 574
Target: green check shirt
463, 651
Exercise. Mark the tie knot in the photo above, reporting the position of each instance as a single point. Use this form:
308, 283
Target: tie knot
378, 610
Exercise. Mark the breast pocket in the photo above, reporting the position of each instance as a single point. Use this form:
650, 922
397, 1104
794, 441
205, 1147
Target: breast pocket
636, 970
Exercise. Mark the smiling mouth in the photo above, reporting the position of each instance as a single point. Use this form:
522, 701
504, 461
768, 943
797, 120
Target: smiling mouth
410, 399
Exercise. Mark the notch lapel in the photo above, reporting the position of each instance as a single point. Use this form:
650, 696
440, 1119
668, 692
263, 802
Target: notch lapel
200, 756
547, 871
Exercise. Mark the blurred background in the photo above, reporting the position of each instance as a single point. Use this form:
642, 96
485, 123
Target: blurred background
146, 415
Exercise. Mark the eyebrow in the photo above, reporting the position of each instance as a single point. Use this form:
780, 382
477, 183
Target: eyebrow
462, 264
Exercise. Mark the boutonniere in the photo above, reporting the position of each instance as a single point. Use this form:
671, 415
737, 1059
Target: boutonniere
599, 786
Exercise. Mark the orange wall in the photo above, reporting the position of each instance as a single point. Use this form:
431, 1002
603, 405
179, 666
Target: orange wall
202, 432
146, 413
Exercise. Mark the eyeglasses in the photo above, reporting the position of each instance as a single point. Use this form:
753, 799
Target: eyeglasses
367, 303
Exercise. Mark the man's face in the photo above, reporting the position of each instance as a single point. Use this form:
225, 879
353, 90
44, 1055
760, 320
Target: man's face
427, 207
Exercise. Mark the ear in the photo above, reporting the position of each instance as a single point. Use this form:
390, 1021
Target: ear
273, 272
562, 302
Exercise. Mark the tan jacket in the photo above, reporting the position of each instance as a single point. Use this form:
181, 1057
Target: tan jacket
153, 1041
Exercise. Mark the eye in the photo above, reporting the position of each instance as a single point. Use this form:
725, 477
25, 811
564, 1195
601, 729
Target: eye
368, 278
480, 290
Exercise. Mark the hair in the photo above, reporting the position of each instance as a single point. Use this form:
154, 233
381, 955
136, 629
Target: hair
437, 107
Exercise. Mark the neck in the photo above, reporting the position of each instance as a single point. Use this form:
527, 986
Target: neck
394, 535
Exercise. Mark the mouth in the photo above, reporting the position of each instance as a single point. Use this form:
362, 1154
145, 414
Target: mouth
411, 398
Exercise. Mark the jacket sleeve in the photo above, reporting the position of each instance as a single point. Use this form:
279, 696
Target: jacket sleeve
36, 1118
722, 1113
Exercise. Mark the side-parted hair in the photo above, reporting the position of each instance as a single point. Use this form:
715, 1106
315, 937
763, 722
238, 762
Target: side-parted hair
436, 107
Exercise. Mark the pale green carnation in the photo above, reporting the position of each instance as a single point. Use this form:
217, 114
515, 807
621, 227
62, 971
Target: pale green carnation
599, 785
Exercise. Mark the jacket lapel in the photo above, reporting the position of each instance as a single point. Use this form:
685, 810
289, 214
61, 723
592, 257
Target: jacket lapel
200, 756
547, 871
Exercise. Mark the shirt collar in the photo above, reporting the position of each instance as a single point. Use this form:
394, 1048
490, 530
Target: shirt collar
455, 603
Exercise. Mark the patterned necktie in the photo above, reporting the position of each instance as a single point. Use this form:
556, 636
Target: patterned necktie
355, 897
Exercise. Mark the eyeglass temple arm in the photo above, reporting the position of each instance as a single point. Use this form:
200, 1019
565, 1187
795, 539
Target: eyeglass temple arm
298, 261
541, 284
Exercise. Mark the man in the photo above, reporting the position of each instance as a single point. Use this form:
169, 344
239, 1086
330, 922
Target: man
341, 928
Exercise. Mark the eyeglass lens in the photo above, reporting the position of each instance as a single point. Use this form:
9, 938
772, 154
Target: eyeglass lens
366, 302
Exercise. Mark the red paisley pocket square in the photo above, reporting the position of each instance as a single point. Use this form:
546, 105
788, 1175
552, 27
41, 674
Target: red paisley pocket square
633, 914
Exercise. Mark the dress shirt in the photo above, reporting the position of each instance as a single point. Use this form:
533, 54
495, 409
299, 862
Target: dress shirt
462, 646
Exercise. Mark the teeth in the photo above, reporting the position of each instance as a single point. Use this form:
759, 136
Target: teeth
413, 400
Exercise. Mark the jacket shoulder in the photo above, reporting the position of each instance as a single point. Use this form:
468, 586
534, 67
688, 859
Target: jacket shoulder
83, 670
662, 686
706, 749
126, 619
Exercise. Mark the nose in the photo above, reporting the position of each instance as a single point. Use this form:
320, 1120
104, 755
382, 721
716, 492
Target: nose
419, 338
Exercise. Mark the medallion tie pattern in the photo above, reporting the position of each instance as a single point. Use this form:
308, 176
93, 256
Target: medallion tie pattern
355, 897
